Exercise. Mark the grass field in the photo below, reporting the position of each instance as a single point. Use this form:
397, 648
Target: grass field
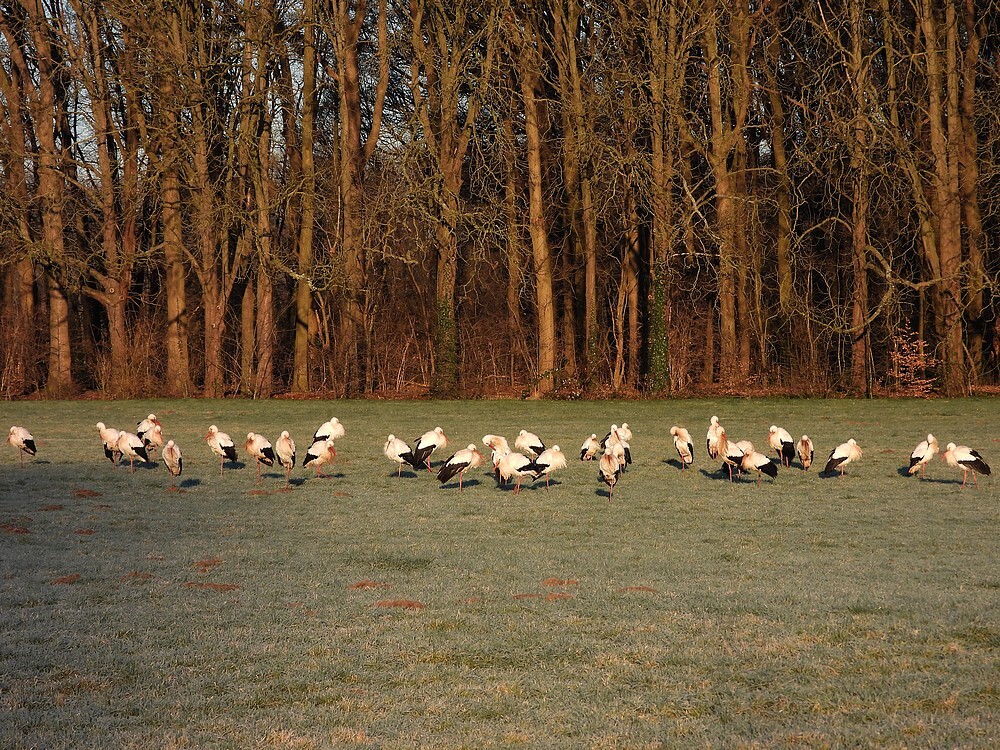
690, 612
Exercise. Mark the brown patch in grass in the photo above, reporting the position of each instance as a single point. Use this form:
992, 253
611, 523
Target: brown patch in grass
472, 600
555, 596
527, 596
86, 493
367, 584
211, 586
302, 608
136, 575
52, 506
84, 532
206, 565
258, 492
13, 528
646, 589
404, 603
64, 580
560, 582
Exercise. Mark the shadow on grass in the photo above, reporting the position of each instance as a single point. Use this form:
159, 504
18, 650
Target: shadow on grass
720, 475
187, 483
465, 483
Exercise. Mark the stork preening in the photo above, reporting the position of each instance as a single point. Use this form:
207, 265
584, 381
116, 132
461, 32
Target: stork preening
922, 455
333, 430
965, 458
399, 452
683, 445
609, 471
712, 438
284, 451
499, 447
549, 460
221, 445
460, 462
130, 445
21, 439
259, 448
425, 445
730, 453
782, 443
619, 444
145, 425
518, 465
842, 455
590, 448
171, 456
152, 439
754, 461
530, 443
319, 453
805, 451
109, 436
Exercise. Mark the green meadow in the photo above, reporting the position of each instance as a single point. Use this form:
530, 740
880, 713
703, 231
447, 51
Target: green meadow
367, 610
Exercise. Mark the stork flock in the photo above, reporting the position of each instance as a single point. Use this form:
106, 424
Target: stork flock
529, 459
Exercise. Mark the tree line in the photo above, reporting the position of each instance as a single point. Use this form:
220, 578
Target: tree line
562, 197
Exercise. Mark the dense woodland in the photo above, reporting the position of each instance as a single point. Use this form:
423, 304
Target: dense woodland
469, 197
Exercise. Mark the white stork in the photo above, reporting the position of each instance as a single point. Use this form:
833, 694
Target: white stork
549, 460
319, 453
221, 445
518, 465
609, 471
754, 461
965, 458
712, 439
333, 430
782, 443
171, 456
130, 445
284, 451
590, 448
499, 447
260, 449
152, 438
398, 451
21, 439
683, 445
922, 455
730, 453
805, 451
425, 445
842, 455
109, 436
530, 443
459, 462
145, 425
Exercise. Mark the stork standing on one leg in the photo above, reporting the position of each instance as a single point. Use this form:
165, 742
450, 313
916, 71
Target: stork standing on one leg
21, 439
922, 455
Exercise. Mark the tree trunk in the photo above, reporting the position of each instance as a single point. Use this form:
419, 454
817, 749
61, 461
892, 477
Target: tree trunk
537, 226
303, 294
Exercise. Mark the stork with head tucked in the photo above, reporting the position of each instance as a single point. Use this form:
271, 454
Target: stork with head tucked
782, 443
21, 439
399, 452
319, 453
284, 451
109, 436
922, 455
712, 438
425, 445
590, 448
459, 462
130, 445
171, 456
529, 442
683, 445
221, 445
518, 465
259, 448
842, 455
549, 460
